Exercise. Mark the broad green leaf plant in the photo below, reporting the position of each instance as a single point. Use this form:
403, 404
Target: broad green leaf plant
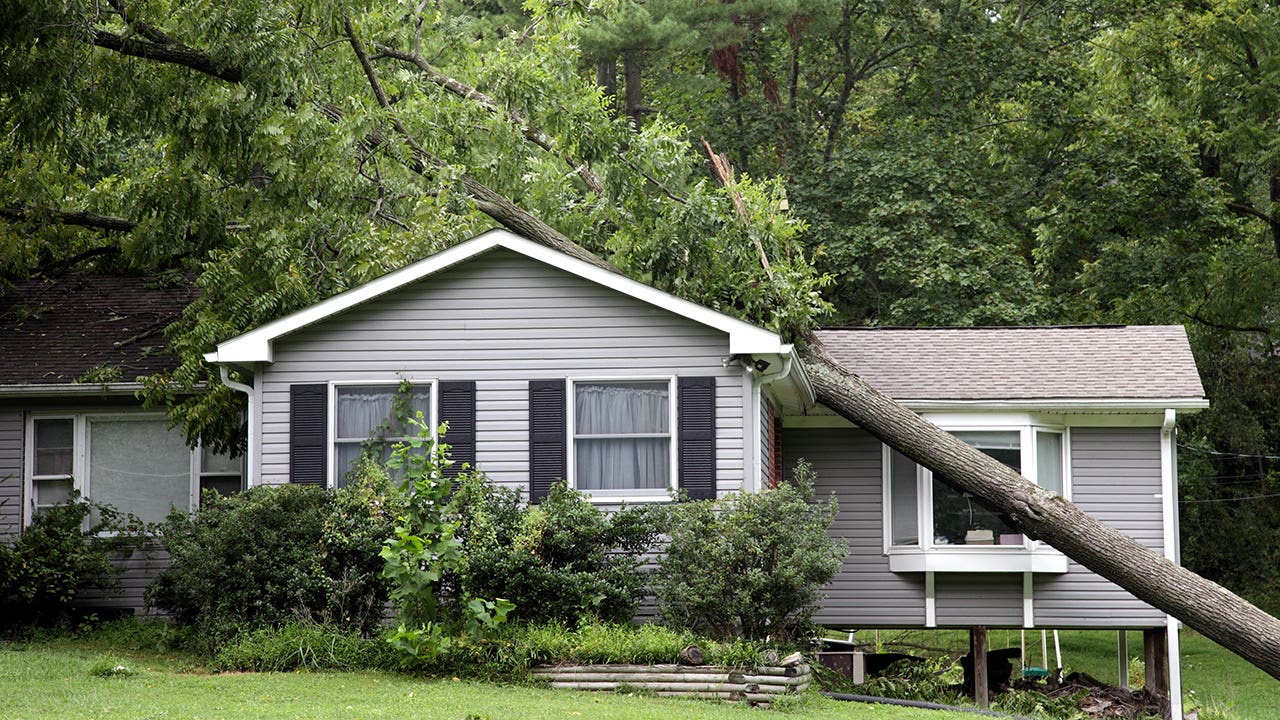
423, 548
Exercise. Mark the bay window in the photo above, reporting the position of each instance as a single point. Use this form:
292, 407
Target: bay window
925, 514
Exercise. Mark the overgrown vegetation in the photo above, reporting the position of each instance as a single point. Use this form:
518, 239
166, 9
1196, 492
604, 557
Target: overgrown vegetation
271, 555
563, 560
67, 548
749, 565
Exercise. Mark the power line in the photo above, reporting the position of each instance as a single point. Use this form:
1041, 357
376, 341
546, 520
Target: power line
1227, 454
1233, 499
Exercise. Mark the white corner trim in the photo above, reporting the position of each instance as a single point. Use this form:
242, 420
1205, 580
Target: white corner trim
930, 601
255, 345
1028, 600
1169, 483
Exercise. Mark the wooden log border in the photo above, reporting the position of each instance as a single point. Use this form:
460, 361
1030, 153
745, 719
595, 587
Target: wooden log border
755, 685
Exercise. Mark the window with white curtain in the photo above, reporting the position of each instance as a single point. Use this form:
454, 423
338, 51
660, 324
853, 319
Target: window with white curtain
366, 418
622, 435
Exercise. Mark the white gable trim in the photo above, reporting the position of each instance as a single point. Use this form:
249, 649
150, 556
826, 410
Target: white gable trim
255, 345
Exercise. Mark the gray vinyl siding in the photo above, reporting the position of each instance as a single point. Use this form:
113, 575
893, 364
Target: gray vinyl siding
967, 599
1115, 478
11, 462
501, 320
139, 569
864, 593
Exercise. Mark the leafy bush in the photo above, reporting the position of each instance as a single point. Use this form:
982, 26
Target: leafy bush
274, 554
749, 565
559, 561
62, 552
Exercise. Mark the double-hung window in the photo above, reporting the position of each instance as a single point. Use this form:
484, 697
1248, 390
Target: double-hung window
622, 437
925, 513
371, 418
52, 461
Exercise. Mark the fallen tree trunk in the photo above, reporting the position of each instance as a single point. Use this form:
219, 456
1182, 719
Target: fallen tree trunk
1202, 604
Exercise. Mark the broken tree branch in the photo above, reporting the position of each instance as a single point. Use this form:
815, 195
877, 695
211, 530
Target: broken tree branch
81, 218
724, 171
532, 133
488, 201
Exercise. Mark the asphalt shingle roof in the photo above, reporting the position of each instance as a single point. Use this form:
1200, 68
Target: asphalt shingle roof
1025, 363
54, 331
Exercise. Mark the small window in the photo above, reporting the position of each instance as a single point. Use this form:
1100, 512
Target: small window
1049, 460
366, 417
221, 474
53, 458
622, 435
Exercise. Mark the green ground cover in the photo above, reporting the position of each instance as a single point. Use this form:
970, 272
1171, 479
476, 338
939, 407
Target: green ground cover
1212, 676
55, 680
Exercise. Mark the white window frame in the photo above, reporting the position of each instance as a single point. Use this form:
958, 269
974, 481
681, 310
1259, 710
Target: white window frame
1028, 556
392, 381
198, 473
80, 460
633, 495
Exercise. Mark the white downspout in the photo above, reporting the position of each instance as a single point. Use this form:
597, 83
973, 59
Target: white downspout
1169, 482
250, 448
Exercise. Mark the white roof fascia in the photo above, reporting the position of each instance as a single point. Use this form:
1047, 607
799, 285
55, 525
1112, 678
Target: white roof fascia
255, 345
1186, 404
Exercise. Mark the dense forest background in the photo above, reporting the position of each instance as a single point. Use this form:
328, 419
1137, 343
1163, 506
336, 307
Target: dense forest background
795, 162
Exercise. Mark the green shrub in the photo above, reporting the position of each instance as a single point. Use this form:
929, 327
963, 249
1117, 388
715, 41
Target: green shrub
559, 561
274, 554
66, 549
598, 643
749, 565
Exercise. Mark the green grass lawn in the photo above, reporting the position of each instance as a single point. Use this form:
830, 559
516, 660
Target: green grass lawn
53, 680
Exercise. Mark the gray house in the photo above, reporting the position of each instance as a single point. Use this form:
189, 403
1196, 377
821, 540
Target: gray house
547, 367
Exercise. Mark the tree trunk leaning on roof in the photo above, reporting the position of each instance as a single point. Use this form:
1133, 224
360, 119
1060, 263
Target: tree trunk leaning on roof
1202, 604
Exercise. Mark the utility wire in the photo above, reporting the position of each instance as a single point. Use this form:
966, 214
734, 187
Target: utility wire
1227, 454
1231, 499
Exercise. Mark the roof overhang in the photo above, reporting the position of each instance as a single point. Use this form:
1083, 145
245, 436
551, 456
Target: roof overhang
74, 390
255, 346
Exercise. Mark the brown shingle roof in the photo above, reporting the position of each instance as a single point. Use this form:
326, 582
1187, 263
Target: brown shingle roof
1027, 363
55, 331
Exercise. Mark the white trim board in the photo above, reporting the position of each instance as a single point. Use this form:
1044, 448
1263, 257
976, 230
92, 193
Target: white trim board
256, 345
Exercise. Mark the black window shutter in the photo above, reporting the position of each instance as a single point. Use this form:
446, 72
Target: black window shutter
697, 436
308, 433
547, 446
458, 408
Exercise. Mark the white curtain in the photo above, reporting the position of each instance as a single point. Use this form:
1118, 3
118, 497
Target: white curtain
610, 412
362, 411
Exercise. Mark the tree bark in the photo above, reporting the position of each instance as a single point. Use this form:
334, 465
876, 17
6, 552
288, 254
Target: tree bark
634, 99
175, 54
1203, 605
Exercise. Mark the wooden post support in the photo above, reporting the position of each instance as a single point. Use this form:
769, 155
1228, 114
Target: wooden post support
1155, 644
978, 651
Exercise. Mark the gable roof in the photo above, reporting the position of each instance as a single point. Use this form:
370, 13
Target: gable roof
54, 332
256, 345
1113, 367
